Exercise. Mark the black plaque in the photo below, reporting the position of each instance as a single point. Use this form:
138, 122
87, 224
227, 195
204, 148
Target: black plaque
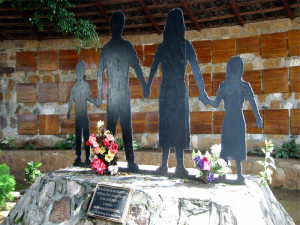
110, 203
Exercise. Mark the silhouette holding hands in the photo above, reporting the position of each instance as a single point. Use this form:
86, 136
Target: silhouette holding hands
174, 123
116, 57
81, 94
233, 91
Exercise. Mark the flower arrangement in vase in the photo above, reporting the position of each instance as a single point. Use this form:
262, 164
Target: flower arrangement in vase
210, 164
104, 151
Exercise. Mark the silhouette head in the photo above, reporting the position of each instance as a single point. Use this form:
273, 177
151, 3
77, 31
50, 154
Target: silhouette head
80, 70
116, 23
235, 68
174, 24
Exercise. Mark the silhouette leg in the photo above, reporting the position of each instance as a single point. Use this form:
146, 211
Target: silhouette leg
112, 117
86, 135
164, 162
180, 171
78, 138
239, 170
125, 121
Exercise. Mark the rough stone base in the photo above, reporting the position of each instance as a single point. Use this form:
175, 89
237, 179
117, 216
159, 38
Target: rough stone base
62, 197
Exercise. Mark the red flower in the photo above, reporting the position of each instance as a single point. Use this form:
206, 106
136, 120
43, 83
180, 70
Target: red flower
106, 142
98, 165
114, 148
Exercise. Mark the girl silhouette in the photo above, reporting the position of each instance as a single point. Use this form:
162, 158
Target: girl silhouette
174, 123
233, 91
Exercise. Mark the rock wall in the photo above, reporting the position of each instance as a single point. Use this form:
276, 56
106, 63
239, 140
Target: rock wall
63, 197
287, 174
33, 96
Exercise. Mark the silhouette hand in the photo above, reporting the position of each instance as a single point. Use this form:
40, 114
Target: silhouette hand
259, 123
213, 103
98, 103
204, 99
68, 115
146, 92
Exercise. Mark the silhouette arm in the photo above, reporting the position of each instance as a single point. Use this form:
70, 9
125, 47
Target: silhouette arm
135, 64
154, 66
100, 80
70, 103
216, 103
250, 97
89, 95
191, 57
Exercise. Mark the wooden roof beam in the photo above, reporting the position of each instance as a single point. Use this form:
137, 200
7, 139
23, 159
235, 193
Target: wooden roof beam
189, 11
287, 8
149, 15
102, 10
29, 24
236, 12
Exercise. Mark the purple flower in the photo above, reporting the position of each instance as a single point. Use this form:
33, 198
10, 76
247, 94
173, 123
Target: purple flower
199, 162
211, 177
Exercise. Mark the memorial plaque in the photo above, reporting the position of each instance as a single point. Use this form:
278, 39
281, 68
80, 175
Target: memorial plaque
110, 203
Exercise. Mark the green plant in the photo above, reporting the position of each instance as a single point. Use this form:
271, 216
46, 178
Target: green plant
266, 175
58, 13
121, 144
287, 150
31, 172
60, 145
10, 141
70, 143
7, 185
28, 145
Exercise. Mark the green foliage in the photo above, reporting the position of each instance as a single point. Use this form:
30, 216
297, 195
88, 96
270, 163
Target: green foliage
10, 141
64, 21
121, 144
288, 150
69, 143
7, 184
31, 172
28, 145
266, 175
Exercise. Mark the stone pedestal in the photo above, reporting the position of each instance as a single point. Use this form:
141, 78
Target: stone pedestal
62, 197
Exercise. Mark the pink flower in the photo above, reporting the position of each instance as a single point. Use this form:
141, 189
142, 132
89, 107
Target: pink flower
106, 142
98, 165
109, 137
206, 163
91, 140
114, 148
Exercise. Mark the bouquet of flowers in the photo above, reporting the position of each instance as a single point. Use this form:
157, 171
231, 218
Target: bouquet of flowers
104, 151
210, 164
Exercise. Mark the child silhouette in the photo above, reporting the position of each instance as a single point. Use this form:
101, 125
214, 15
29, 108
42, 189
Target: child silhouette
233, 91
81, 94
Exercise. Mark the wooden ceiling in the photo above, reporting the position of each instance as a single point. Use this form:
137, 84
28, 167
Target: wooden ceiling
148, 16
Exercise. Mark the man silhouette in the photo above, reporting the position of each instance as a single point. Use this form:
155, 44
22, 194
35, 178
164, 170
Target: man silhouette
116, 56
81, 93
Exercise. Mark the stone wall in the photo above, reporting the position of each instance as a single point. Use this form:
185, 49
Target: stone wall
287, 174
33, 98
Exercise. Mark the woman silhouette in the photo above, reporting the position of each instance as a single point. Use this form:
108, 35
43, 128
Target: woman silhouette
174, 123
233, 91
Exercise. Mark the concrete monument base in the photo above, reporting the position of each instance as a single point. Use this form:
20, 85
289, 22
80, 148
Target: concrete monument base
63, 197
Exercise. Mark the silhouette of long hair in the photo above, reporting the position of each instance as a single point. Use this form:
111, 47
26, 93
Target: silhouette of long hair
173, 35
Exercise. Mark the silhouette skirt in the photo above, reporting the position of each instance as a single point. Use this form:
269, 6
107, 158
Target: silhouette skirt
174, 125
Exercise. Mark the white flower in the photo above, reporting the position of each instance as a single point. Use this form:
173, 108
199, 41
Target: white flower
100, 123
113, 170
216, 149
222, 162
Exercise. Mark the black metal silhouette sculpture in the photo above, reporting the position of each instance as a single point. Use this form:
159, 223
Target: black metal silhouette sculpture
116, 56
233, 91
174, 124
81, 94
